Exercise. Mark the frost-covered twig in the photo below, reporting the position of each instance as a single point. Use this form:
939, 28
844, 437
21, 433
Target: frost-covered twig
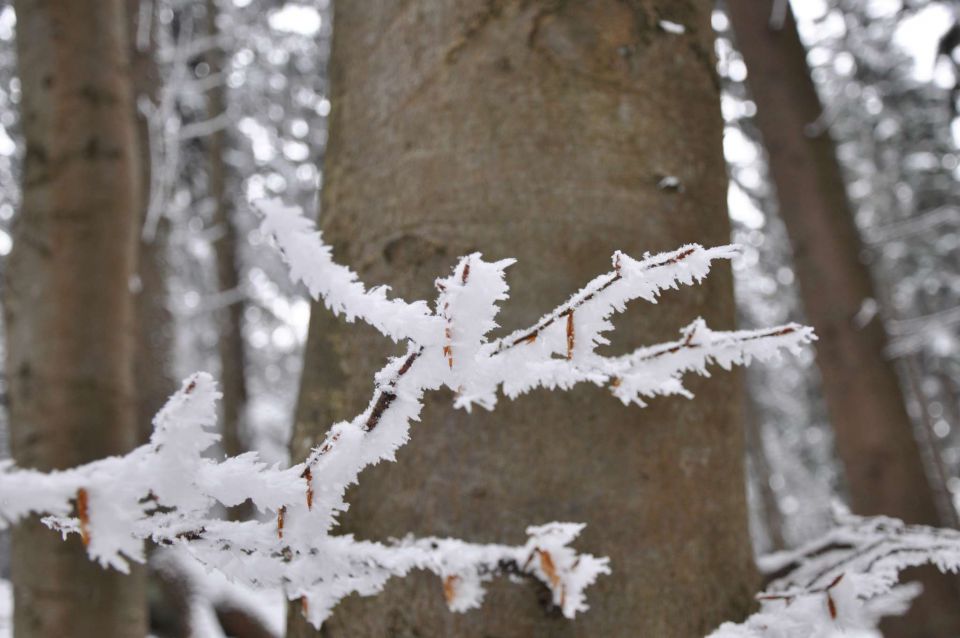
167, 491
204, 128
936, 331
629, 280
311, 262
164, 122
845, 580
631, 378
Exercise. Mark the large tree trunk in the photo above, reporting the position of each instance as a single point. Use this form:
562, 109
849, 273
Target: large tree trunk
543, 131
69, 311
875, 440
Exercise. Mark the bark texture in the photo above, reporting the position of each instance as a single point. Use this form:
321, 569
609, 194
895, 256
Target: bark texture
538, 130
69, 311
875, 440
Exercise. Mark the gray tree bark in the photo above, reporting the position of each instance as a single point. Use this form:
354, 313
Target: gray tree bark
770, 514
231, 346
543, 131
167, 597
875, 439
155, 324
68, 307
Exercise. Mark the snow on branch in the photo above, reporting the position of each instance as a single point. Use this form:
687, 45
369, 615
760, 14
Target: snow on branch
846, 580
168, 491
610, 292
311, 262
657, 371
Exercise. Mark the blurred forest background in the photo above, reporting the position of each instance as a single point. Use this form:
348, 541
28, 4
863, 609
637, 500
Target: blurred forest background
233, 101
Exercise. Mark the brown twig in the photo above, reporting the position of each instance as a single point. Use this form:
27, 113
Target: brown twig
308, 477
530, 335
387, 395
822, 590
450, 588
687, 342
83, 513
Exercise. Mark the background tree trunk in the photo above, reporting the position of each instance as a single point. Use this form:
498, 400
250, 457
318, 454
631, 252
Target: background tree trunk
539, 130
231, 346
875, 440
155, 324
167, 597
770, 515
69, 311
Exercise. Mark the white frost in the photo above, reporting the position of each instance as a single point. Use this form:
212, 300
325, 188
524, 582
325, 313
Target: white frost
169, 490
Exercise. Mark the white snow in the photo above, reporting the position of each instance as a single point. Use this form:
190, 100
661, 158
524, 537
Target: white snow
672, 27
846, 581
170, 491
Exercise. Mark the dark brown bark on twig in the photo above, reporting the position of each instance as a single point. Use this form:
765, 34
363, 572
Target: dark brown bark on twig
68, 307
882, 462
239, 623
535, 130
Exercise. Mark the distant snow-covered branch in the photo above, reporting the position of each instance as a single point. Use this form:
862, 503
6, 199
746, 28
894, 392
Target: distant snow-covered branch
930, 220
936, 331
167, 491
204, 128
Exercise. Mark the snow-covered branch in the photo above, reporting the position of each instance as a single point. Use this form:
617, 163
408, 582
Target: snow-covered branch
168, 491
846, 580
936, 331
925, 222
311, 262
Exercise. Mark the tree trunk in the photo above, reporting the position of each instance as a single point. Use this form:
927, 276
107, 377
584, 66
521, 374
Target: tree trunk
69, 311
543, 131
770, 514
231, 347
155, 325
875, 440
167, 597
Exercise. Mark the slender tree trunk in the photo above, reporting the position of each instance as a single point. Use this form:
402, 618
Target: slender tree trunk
167, 597
875, 440
770, 513
539, 130
231, 346
911, 372
154, 328
69, 311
